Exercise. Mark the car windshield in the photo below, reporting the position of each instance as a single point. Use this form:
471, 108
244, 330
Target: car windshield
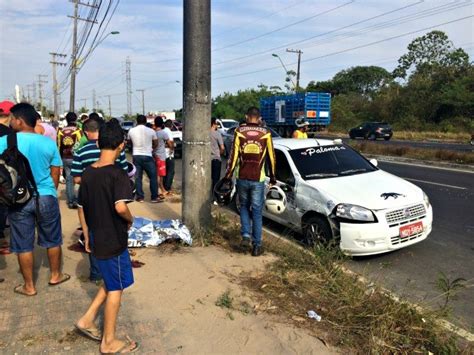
329, 161
230, 124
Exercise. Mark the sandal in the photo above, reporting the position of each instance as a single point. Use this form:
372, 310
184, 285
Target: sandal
126, 347
65, 277
21, 291
92, 333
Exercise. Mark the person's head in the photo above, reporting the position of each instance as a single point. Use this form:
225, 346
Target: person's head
93, 115
213, 123
158, 122
302, 124
168, 123
85, 117
141, 119
111, 137
24, 117
92, 126
51, 116
71, 118
253, 115
5, 108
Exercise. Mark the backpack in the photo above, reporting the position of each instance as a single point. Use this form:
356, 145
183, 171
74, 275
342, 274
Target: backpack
69, 141
17, 184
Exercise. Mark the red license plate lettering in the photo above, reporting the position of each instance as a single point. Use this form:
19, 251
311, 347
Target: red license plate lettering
411, 229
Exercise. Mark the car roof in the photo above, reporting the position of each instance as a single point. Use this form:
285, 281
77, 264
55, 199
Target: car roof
293, 143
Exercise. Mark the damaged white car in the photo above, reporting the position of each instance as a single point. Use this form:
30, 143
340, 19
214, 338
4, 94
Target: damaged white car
334, 193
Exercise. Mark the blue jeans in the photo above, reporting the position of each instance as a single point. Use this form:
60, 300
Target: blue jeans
251, 194
143, 162
24, 221
70, 195
168, 179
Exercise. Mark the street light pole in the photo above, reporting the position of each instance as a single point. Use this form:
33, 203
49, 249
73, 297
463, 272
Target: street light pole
299, 52
284, 67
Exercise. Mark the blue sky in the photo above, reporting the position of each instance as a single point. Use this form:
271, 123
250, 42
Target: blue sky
333, 35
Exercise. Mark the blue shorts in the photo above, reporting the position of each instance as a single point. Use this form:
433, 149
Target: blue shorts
24, 220
116, 271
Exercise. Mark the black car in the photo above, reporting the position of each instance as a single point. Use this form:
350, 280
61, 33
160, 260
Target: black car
372, 130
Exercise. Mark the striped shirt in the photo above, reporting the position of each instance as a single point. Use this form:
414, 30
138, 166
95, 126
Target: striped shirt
89, 154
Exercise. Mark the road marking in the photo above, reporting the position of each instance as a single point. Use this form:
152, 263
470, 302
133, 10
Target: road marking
458, 170
435, 183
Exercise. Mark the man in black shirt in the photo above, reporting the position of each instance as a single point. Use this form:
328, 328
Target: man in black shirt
105, 219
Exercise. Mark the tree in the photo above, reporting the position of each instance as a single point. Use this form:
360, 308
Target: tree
364, 80
428, 52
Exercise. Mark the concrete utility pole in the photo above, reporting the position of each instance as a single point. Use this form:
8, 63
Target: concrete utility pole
55, 82
299, 52
40, 88
34, 98
94, 101
128, 79
196, 207
74, 58
28, 87
110, 106
143, 99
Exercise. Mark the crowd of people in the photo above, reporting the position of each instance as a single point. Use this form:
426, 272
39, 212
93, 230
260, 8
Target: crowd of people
90, 152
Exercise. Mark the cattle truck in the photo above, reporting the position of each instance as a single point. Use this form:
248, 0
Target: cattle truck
280, 112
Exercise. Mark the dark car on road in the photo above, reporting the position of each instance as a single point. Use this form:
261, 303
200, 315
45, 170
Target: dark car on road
372, 131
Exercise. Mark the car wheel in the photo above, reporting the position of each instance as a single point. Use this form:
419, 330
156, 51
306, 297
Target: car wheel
316, 231
387, 138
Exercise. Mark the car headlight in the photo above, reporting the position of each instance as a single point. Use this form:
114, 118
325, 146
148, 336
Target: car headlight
353, 212
426, 199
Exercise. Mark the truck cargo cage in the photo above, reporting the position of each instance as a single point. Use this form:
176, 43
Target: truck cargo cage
280, 112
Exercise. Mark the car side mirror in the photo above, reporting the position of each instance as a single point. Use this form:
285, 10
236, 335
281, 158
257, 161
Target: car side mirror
374, 162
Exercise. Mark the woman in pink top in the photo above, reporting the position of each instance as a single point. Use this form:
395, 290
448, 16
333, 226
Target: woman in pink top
46, 129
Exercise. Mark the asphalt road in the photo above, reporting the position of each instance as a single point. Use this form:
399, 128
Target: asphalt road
459, 147
412, 272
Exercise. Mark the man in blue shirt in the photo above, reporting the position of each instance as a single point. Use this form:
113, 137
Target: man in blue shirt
45, 163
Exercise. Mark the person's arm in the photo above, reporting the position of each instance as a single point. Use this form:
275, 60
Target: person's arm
220, 141
154, 143
85, 228
295, 134
234, 156
122, 210
55, 172
76, 169
272, 158
170, 144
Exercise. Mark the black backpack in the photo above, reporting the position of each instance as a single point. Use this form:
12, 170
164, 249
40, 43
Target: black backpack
17, 184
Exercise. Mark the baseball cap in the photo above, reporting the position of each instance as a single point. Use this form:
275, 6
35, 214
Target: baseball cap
5, 107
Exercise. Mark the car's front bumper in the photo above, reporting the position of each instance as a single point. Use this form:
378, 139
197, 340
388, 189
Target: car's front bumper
377, 238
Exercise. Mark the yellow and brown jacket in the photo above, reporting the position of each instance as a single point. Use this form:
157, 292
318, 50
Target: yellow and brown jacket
252, 146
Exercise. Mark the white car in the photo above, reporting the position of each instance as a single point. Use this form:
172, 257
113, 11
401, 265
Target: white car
225, 124
334, 193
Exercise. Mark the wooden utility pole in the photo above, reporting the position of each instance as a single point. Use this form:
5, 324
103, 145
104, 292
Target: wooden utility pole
299, 52
196, 206
55, 82
74, 58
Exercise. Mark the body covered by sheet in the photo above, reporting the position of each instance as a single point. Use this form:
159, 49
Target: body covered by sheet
148, 233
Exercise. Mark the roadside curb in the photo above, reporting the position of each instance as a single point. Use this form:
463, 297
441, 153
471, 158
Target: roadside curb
463, 333
425, 163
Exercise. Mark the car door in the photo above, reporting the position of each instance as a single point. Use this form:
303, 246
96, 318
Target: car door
286, 181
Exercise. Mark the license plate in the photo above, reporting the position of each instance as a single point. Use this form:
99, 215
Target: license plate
411, 229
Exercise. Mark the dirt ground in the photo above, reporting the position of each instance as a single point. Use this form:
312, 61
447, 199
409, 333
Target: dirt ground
171, 308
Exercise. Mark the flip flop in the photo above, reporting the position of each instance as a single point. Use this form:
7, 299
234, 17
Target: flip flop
126, 345
65, 278
5, 251
21, 291
91, 333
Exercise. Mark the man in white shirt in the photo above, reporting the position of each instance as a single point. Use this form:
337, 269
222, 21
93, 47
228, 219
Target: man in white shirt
144, 142
168, 179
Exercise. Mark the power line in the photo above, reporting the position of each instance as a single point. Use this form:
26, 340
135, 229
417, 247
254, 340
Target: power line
350, 49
